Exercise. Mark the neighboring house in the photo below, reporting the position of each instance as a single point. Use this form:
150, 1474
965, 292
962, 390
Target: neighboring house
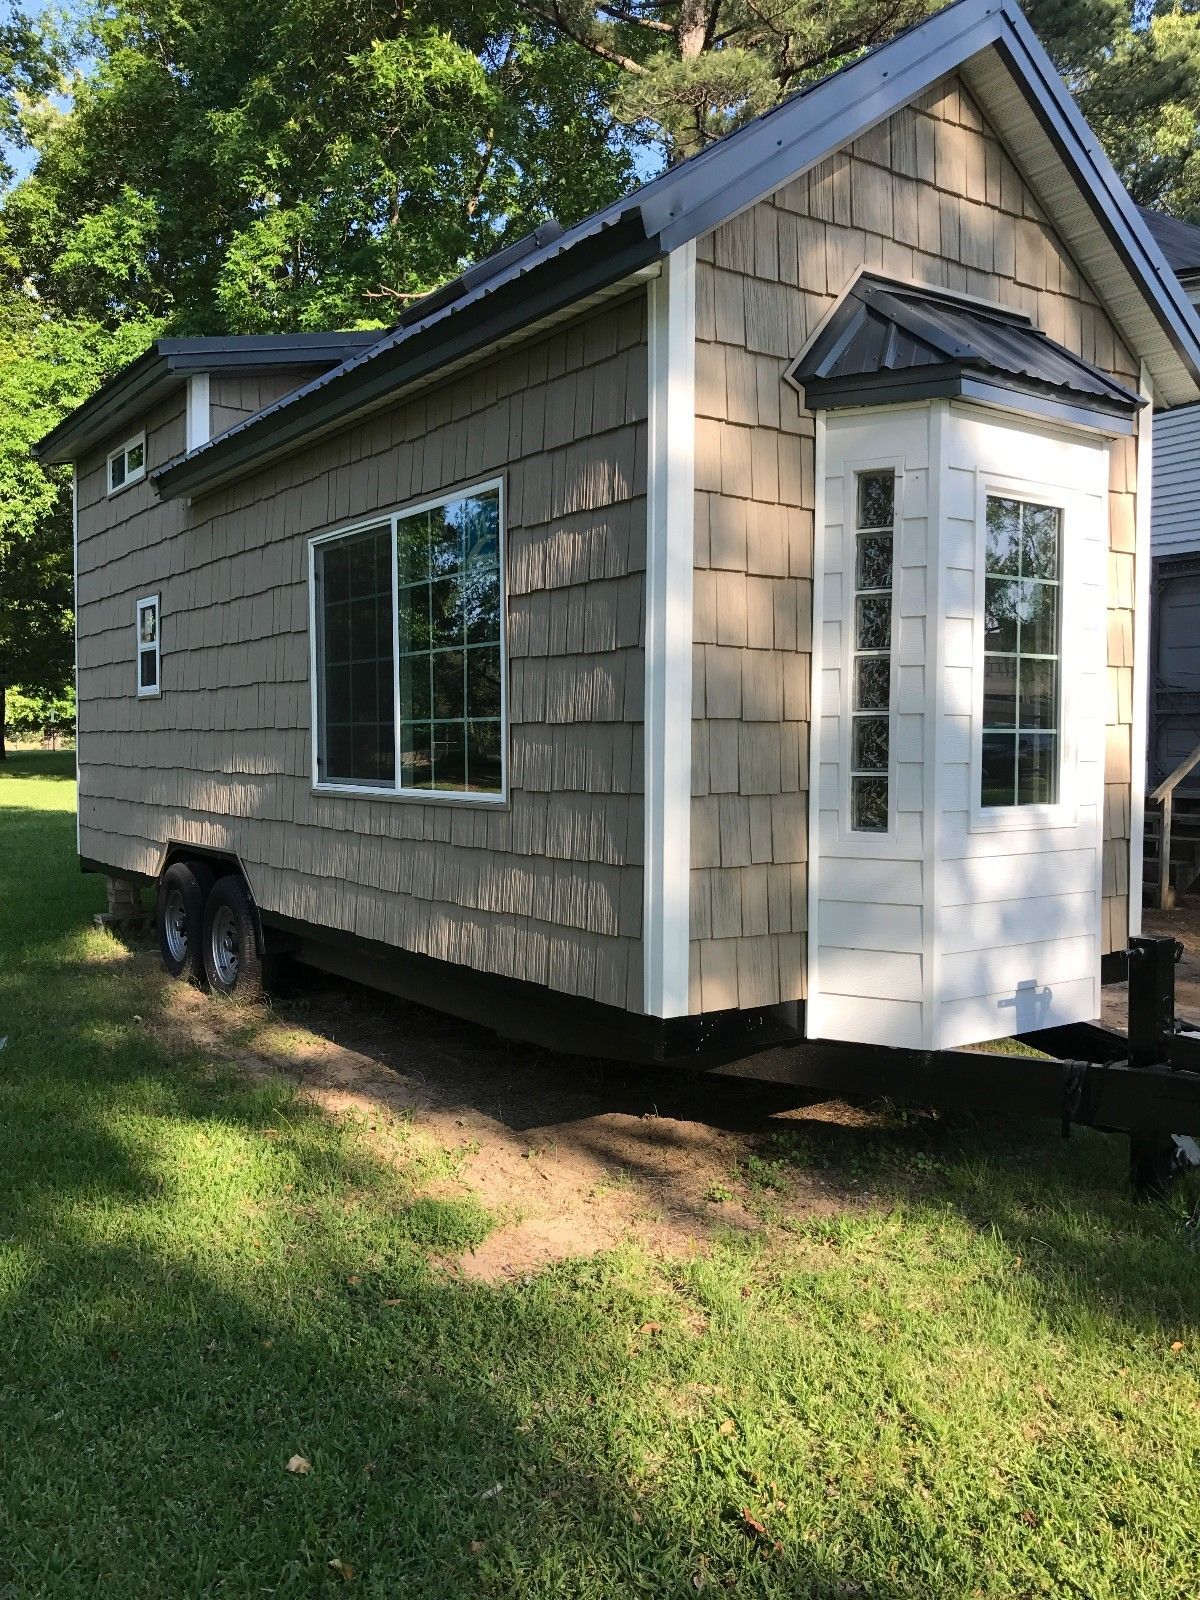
1175, 546
724, 619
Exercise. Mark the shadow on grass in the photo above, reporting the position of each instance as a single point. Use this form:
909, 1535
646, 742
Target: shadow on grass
1062, 1206
200, 1279
23, 763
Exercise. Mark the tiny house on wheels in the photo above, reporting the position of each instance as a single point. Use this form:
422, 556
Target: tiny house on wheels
721, 621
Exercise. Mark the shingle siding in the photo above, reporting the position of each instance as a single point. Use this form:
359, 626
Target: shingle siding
931, 196
234, 396
548, 888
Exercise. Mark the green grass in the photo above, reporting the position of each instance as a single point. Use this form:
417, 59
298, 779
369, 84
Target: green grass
961, 1385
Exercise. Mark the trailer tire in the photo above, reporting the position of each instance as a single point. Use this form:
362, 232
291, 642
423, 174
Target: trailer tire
179, 918
232, 962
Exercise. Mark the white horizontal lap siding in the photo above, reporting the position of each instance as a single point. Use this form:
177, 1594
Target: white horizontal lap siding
958, 925
866, 973
1017, 914
1175, 500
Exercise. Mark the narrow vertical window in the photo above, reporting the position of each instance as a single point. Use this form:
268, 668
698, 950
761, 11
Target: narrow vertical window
356, 742
871, 687
147, 646
1021, 644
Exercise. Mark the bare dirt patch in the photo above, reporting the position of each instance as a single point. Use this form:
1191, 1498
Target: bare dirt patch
573, 1155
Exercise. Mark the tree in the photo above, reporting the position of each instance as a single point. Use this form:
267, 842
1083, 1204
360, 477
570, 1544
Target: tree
46, 368
277, 165
689, 71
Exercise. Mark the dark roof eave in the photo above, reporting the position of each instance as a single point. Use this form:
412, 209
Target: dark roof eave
169, 361
1073, 407
594, 262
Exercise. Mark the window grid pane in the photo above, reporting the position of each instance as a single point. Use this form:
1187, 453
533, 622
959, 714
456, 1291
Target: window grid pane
870, 730
357, 709
450, 627
1022, 624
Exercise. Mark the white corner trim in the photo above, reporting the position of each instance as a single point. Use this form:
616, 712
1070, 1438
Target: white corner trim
812, 1014
1140, 731
935, 711
670, 519
199, 413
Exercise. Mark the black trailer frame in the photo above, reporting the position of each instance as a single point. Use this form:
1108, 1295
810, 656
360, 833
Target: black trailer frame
1144, 1083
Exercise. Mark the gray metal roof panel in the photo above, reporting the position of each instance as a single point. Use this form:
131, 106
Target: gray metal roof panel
168, 361
882, 326
1179, 241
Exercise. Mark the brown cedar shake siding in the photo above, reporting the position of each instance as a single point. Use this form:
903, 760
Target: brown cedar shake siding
928, 195
234, 396
547, 888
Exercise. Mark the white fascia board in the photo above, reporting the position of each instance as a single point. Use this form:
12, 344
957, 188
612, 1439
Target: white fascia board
670, 519
1140, 732
199, 412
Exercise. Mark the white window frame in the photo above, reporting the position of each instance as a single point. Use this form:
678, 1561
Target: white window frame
149, 692
121, 453
1062, 812
867, 841
395, 791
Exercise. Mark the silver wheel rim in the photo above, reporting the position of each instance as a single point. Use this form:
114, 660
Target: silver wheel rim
175, 925
226, 946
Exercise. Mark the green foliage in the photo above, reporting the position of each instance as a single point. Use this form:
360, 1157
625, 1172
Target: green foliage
301, 165
689, 71
30, 715
46, 368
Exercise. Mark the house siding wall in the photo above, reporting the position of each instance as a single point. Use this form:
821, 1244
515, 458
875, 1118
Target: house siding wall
548, 888
928, 195
234, 396
1175, 510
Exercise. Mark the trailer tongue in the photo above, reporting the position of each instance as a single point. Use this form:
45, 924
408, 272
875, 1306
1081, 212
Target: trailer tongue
1144, 1083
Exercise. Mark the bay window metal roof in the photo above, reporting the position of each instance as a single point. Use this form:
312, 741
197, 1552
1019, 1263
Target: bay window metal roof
887, 341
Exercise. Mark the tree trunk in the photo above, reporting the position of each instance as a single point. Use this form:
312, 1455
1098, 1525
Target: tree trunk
3, 751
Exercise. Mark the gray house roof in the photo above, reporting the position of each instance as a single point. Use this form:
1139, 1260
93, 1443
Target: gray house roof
886, 340
168, 362
1179, 241
1008, 72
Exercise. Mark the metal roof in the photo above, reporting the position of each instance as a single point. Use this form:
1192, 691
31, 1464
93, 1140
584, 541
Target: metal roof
168, 362
1179, 241
1018, 89
886, 340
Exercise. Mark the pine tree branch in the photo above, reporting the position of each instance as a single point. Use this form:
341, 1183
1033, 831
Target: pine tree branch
554, 19
637, 22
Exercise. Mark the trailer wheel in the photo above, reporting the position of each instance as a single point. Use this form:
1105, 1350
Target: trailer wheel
232, 963
179, 918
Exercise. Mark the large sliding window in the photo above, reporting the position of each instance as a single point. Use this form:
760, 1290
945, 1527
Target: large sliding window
1021, 644
408, 653
871, 685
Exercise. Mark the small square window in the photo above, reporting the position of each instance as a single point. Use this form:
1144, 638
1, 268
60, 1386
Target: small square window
147, 647
128, 464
